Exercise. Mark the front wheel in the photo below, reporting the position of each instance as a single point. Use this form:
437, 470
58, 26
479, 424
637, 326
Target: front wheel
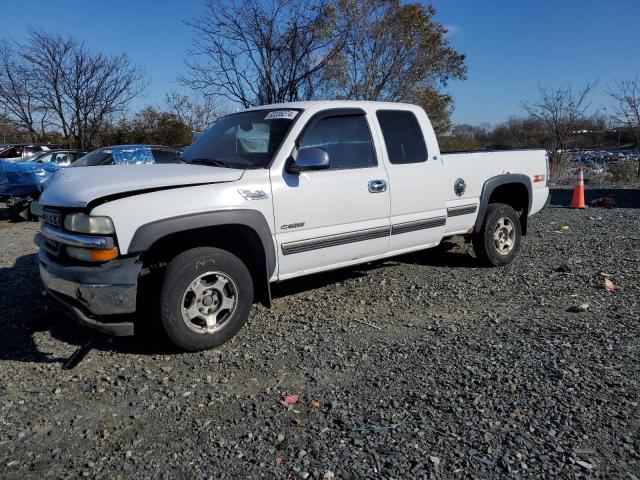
498, 241
205, 299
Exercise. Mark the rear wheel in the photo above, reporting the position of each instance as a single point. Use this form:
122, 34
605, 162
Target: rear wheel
206, 298
498, 241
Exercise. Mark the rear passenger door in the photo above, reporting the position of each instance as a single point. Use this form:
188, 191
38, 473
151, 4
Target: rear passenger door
329, 218
418, 195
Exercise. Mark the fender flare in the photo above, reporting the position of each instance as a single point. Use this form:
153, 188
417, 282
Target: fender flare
146, 235
491, 184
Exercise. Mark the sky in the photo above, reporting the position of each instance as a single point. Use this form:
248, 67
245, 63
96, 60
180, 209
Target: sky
512, 47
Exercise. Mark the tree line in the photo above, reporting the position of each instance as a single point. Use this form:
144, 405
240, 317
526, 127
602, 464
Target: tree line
250, 52
558, 121
244, 53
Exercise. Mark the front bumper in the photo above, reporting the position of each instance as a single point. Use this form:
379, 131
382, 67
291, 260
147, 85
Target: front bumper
94, 295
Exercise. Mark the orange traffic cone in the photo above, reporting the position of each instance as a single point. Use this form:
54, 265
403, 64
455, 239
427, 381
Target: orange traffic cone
577, 201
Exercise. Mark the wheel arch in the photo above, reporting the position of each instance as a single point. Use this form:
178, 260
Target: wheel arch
245, 233
513, 189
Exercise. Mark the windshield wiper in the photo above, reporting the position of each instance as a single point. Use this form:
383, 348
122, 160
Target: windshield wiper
208, 161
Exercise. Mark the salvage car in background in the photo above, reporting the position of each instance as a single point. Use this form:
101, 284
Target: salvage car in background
129, 155
63, 157
22, 182
21, 151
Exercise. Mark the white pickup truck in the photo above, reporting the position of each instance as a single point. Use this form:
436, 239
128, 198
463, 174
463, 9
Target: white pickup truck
268, 194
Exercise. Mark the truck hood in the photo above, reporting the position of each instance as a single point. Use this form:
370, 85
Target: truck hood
76, 187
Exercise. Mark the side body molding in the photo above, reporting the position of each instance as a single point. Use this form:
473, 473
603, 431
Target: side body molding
146, 235
491, 184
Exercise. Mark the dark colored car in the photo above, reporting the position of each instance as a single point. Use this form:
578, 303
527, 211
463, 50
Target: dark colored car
19, 151
129, 154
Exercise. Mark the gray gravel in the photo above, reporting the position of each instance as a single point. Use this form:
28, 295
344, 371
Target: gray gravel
422, 366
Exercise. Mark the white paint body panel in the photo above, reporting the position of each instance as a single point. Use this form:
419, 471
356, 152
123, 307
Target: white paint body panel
477, 167
77, 186
417, 189
327, 202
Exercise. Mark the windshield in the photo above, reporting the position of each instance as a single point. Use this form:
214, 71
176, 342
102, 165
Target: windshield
242, 140
101, 156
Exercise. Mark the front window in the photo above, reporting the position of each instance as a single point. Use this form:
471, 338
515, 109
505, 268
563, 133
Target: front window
345, 138
101, 156
242, 140
44, 158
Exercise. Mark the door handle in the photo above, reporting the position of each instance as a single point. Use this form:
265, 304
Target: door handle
377, 186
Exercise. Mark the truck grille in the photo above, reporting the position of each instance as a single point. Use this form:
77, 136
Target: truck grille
52, 218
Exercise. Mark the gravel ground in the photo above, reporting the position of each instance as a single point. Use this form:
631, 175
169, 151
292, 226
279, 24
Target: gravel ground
425, 366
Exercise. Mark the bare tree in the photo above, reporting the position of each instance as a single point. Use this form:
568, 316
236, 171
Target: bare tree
626, 94
56, 82
560, 110
198, 112
253, 52
81, 88
19, 101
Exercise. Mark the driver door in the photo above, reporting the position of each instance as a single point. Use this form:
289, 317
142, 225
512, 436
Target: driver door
330, 218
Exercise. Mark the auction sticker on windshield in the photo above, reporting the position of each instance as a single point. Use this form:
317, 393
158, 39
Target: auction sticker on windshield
278, 114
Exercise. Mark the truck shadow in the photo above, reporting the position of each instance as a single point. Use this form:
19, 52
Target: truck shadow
312, 282
28, 311
32, 321
623, 197
440, 256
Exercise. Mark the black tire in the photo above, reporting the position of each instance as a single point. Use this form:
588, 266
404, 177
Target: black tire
484, 243
181, 275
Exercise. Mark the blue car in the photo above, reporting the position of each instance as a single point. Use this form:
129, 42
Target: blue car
24, 176
21, 183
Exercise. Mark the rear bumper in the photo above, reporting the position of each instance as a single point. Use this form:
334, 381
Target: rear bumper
94, 295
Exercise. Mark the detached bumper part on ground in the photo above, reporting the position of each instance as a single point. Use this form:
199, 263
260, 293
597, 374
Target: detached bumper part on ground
94, 296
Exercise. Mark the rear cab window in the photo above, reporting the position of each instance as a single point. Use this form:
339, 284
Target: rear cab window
403, 137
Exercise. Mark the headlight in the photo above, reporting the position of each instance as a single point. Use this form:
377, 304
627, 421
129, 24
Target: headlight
81, 223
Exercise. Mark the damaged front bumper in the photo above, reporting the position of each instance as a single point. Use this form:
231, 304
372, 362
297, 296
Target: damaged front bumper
94, 295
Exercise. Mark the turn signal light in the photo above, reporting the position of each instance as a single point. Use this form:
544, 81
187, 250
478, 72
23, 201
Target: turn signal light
92, 255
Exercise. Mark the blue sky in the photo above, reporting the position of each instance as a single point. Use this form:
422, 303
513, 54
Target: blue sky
511, 46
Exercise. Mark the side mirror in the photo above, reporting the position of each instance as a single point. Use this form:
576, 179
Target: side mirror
309, 159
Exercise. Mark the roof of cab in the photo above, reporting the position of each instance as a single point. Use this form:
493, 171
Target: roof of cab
324, 104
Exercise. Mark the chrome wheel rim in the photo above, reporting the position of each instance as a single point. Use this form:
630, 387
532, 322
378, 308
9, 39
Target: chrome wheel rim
209, 302
504, 236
